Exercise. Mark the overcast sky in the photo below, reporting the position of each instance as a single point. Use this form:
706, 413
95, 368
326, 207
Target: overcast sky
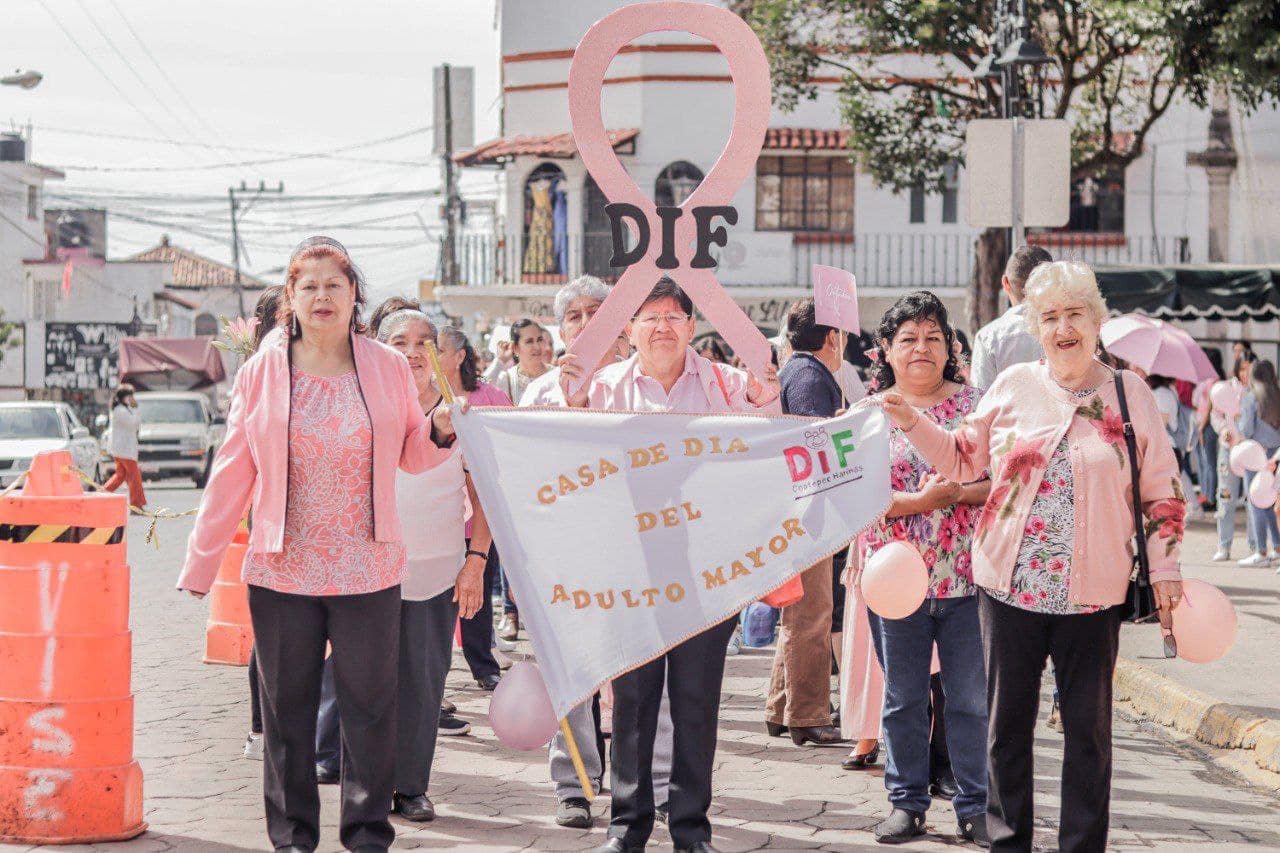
255, 79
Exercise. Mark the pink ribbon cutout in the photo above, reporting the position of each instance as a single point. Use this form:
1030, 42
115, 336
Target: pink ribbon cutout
749, 69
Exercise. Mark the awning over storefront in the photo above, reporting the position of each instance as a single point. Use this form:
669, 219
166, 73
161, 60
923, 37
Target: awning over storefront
1201, 291
170, 364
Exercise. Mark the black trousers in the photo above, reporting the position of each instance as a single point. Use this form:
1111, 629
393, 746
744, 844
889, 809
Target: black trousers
1083, 649
939, 757
692, 672
290, 632
477, 632
255, 695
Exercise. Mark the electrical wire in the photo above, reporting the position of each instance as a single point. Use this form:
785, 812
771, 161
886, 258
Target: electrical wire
102, 71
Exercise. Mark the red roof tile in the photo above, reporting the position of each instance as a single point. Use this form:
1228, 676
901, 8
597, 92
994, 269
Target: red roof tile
555, 145
192, 270
805, 139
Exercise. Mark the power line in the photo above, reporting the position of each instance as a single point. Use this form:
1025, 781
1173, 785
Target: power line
283, 156
100, 69
127, 64
172, 85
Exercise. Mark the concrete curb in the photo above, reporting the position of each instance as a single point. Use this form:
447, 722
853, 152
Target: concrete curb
1191, 712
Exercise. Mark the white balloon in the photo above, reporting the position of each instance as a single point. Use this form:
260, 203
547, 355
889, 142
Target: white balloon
1248, 455
1225, 398
1262, 491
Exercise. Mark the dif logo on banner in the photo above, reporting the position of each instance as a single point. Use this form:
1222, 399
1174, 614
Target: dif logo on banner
822, 462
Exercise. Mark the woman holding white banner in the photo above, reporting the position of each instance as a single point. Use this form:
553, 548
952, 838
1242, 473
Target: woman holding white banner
936, 515
1052, 546
666, 375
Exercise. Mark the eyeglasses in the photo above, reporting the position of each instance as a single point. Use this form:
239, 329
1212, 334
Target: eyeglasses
675, 318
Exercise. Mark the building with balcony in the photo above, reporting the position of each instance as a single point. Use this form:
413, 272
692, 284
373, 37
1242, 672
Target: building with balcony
667, 103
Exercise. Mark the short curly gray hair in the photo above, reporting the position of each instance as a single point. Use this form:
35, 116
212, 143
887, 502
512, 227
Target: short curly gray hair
584, 285
1059, 281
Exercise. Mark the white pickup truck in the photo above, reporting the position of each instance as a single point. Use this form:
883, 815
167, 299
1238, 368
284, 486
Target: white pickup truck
179, 435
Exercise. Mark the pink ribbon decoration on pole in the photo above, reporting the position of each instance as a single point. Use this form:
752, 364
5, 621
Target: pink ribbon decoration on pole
749, 69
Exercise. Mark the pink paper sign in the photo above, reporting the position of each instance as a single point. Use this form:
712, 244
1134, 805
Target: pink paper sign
835, 298
749, 69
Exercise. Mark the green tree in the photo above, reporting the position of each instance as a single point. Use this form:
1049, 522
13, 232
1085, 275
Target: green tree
1118, 66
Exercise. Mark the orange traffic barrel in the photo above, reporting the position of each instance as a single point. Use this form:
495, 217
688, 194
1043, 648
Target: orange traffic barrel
228, 637
67, 773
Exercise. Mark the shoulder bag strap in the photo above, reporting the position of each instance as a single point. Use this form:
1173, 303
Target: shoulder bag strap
1132, 445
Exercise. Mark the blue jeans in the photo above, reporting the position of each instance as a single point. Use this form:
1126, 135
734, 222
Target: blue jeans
1207, 463
1230, 493
1264, 520
905, 650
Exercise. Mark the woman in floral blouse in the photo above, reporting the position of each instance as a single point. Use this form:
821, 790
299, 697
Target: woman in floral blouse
937, 516
1052, 550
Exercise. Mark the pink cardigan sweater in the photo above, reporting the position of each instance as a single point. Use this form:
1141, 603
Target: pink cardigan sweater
252, 466
1018, 425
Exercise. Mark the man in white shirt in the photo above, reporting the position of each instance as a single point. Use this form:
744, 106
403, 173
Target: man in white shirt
1006, 341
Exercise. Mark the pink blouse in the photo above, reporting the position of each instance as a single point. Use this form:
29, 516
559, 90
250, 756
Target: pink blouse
329, 547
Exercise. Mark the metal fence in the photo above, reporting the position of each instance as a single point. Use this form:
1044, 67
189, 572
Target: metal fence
896, 260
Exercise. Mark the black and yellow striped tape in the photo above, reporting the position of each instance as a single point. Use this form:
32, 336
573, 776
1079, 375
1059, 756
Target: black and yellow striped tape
65, 533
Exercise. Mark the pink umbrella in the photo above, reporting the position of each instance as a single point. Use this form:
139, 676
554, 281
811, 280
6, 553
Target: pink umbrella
1157, 347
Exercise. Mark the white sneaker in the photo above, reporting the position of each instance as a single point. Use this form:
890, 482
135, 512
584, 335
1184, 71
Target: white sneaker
1221, 555
1257, 559
503, 645
735, 642
253, 747
504, 662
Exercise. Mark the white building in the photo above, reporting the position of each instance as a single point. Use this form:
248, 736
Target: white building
667, 102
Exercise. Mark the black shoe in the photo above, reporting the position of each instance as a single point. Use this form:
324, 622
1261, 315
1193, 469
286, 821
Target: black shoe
944, 787
488, 682
294, 848
415, 807
326, 775
975, 829
662, 814
900, 827
699, 847
451, 726
775, 729
574, 812
617, 845
861, 761
819, 735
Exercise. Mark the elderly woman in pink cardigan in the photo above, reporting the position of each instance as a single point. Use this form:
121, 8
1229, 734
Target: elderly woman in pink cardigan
1052, 548
321, 417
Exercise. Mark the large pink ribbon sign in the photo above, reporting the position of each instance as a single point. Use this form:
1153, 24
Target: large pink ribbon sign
749, 69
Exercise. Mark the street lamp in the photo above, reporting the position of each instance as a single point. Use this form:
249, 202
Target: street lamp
22, 79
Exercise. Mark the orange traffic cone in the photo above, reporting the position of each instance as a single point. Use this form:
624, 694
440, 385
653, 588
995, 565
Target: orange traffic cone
228, 637
67, 773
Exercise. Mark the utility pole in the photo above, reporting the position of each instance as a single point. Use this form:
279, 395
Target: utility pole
243, 189
449, 251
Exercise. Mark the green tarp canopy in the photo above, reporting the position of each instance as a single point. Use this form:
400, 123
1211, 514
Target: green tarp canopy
1185, 291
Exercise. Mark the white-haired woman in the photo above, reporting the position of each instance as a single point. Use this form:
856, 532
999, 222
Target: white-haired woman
1051, 551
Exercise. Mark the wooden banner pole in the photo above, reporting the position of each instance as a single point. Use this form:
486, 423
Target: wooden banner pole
587, 790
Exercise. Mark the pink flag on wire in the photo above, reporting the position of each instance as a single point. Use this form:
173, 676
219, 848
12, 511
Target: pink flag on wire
835, 296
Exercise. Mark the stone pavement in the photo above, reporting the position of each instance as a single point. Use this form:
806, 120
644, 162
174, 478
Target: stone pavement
202, 796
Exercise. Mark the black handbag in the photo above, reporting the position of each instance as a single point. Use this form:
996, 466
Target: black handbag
1140, 601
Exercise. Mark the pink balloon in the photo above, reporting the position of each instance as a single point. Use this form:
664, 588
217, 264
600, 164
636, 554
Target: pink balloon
895, 580
520, 711
1225, 398
1204, 623
1248, 455
1262, 490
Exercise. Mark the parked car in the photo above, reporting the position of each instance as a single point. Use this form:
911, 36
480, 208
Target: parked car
180, 433
31, 427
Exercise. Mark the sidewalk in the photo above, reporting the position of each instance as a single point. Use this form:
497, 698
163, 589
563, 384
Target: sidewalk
203, 797
1234, 701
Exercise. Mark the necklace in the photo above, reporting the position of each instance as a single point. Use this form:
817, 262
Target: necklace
1077, 392
929, 397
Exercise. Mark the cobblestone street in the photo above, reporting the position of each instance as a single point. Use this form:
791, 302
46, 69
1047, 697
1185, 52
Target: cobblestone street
202, 795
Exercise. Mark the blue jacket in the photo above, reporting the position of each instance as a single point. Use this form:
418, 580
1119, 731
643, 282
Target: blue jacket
808, 387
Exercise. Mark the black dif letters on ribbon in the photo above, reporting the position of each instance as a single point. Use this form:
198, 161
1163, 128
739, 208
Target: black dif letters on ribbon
702, 217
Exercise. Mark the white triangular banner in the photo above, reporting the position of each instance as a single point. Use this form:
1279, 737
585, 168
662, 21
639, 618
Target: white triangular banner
623, 534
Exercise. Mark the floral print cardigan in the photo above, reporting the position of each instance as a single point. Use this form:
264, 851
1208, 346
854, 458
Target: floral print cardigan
1021, 420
